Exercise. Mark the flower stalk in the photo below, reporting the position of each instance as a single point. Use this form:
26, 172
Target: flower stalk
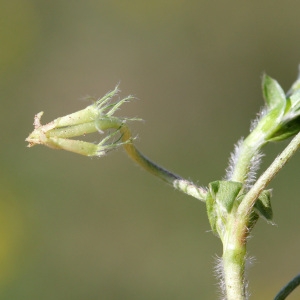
100, 117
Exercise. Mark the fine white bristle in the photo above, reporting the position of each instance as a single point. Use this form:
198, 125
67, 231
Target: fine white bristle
253, 166
220, 275
259, 116
233, 159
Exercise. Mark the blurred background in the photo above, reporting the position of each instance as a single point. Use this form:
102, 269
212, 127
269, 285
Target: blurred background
73, 227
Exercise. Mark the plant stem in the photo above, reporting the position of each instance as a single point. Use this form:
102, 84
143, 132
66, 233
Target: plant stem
234, 257
234, 269
234, 241
176, 181
286, 290
250, 198
243, 164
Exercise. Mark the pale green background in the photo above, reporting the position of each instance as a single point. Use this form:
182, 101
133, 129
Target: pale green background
72, 227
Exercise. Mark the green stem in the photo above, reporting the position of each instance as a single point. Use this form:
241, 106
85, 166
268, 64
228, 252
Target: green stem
176, 181
246, 206
57, 134
234, 269
243, 164
234, 257
234, 242
286, 290
246, 154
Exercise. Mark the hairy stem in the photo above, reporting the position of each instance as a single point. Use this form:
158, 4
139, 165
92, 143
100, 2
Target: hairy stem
234, 242
234, 258
234, 269
244, 158
243, 164
250, 198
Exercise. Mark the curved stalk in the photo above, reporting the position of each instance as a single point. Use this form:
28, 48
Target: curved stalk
176, 181
57, 134
286, 290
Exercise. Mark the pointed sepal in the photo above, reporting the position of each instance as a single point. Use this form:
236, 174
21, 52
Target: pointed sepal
263, 206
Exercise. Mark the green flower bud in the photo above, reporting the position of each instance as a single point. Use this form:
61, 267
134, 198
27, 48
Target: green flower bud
96, 117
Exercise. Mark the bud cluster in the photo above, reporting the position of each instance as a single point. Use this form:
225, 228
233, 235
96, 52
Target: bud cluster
96, 117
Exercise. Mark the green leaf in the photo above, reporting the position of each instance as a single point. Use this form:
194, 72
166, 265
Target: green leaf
276, 103
227, 193
272, 92
252, 220
220, 199
286, 130
295, 100
211, 211
213, 188
211, 205
263, 205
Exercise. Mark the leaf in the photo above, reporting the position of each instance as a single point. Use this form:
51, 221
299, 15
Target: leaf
295, 100
220, 199
211, 211
227, 193
273, 93
286, 131
263, 205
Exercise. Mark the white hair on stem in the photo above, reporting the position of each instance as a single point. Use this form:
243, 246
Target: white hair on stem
253, 166
233, 159
259, 116
220, 275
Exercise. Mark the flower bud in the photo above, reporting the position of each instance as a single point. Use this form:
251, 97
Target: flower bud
96, 117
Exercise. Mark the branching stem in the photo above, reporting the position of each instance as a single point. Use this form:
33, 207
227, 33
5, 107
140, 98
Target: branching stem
234, 242
262, 182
